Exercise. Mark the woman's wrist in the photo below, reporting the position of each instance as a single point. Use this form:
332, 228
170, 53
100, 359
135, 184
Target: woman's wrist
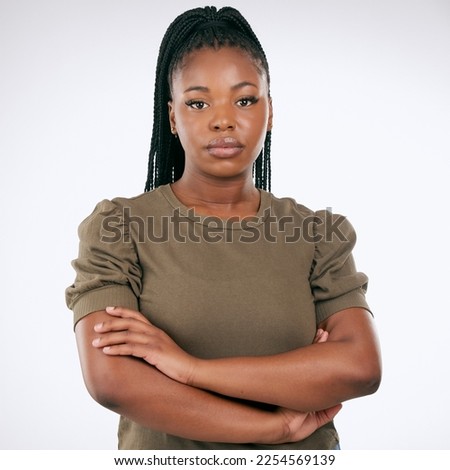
199, 371
274, 429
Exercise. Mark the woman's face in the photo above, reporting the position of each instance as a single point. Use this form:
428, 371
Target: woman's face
221, 111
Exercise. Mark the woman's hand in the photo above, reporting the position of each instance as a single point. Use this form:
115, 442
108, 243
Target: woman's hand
299, 425
129, 333
321, 336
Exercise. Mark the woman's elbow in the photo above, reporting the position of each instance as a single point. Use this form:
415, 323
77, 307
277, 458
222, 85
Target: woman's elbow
368, 376
372, 383
102, 374
103, 386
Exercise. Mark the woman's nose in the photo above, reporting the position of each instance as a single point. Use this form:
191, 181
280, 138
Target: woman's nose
223, 119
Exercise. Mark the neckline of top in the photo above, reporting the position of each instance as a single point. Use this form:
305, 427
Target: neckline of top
231, 223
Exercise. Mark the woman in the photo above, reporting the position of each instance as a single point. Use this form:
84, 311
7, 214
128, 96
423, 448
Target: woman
241, 321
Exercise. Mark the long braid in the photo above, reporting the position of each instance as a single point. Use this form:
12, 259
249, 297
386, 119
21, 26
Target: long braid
192, 30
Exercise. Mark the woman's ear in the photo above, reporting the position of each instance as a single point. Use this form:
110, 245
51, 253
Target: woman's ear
173, 127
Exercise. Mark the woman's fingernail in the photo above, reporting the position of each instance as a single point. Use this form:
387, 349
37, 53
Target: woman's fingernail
96, 342
110, 309
98, 326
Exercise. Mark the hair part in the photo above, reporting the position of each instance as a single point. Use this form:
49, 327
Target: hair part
193, 30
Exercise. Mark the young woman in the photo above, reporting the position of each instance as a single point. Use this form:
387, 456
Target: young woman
239, 321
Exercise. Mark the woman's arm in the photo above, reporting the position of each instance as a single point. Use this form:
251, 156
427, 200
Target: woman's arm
130, 387
346, 366
315, 377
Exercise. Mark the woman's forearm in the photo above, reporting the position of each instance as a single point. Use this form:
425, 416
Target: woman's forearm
309, 378
305, 379
143, 394
155, 401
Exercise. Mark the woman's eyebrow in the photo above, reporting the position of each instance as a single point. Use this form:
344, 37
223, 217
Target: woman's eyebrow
205, 89
242, 85
197, 88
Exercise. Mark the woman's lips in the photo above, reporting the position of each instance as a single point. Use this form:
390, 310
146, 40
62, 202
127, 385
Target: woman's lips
224, 147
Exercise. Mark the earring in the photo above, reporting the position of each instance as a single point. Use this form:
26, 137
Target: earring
174, 132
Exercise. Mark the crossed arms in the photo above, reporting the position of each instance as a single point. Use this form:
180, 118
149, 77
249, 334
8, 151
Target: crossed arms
136, 370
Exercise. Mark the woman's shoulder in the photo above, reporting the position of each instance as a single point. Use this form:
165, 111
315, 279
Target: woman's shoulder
146, 202
325, 224
120, 209
285, 205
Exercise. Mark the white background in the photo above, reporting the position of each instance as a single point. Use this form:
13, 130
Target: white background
361, 92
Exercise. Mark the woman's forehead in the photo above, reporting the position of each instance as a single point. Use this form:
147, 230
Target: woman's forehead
204, 62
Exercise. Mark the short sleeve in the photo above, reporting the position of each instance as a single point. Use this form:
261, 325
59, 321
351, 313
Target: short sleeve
335, 282
107, 268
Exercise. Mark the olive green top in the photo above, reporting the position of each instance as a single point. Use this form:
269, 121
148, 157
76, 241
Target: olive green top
218, 287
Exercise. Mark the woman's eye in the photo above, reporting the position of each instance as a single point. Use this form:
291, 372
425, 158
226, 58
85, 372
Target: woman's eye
245, 102
196, 104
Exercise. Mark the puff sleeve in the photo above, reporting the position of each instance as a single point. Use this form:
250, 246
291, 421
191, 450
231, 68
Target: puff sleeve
107, 268
335, 282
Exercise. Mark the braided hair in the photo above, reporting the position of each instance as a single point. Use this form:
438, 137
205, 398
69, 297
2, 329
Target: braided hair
196, 29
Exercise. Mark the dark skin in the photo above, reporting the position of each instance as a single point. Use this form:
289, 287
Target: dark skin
337, 368
210, 101
221, 111
154, 400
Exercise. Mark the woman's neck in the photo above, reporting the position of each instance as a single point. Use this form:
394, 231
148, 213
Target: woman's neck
237, 198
